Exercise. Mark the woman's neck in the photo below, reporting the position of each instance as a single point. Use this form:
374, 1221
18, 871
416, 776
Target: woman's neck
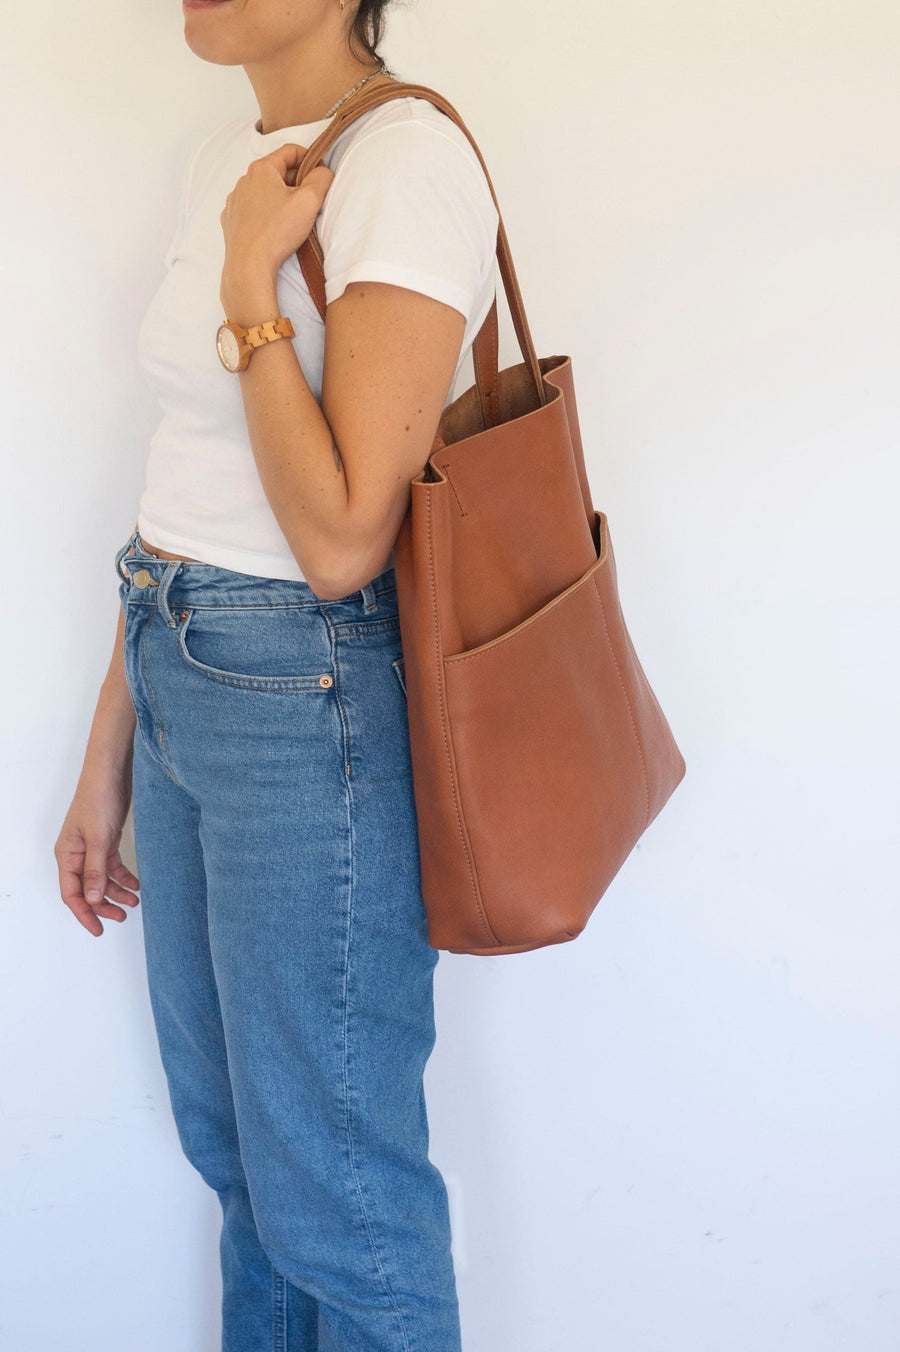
291, 92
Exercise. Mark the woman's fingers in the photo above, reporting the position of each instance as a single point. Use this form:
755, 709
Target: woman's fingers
108, 910
116, 869
318, 181
115, 892
95, 871
287, 160
286, 157
92, 878
267, 215
72, 893
92, 875
101, 890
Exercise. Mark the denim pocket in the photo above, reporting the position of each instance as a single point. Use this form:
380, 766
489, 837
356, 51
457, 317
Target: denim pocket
257, 648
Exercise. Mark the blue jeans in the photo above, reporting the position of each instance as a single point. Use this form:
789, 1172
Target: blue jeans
289, 969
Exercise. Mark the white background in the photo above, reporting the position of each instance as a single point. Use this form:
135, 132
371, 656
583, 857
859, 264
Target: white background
679, 1133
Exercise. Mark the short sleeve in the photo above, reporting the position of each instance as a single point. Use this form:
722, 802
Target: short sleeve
409, 205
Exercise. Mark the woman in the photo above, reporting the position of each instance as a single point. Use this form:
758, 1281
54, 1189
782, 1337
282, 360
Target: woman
255, 704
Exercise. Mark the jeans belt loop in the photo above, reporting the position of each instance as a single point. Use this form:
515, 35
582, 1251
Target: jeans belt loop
172, 568
368, 596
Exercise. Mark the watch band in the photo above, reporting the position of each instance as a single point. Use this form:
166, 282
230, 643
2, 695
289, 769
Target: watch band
268, 331
236, 344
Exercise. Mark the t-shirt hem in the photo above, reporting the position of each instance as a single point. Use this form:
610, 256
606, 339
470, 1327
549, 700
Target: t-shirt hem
373, 270
254, 563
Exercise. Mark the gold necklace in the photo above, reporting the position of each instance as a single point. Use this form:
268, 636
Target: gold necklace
381, 70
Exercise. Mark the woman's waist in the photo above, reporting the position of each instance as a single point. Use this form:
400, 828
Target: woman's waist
191, 581
158, 553
241, 536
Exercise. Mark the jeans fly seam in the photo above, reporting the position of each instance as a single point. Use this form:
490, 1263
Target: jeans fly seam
158, 753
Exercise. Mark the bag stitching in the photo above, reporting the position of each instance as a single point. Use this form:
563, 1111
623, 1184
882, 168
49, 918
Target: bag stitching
484, 649
444, 731
627, 705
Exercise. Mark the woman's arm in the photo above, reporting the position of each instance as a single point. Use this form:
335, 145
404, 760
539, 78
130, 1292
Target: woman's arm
87, 848
336, 476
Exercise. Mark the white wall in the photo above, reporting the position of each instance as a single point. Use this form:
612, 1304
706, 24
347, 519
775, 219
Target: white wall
677, 1134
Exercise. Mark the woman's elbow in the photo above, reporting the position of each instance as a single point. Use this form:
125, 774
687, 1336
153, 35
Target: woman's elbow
333, 573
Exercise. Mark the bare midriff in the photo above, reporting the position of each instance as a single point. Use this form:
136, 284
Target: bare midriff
164, 553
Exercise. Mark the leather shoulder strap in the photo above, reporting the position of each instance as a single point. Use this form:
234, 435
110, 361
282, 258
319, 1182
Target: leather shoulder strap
485, 353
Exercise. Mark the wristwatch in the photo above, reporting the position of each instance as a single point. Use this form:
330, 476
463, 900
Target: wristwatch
236, 345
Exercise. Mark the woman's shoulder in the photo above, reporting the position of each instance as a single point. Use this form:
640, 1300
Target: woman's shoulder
408, 127
409, 109
409, 204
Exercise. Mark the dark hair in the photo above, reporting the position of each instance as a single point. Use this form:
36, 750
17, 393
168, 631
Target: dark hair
367, 28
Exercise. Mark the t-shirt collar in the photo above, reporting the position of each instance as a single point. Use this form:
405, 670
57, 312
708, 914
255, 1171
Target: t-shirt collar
303, 133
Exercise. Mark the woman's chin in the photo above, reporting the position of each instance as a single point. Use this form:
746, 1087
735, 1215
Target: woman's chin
206, 31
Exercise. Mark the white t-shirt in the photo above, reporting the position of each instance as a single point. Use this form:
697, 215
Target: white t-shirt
409, 204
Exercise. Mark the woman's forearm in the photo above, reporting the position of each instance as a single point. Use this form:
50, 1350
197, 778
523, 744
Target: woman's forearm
112, 730
298, 461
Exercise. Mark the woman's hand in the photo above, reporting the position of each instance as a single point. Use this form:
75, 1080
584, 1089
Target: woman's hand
92, 876
266, 219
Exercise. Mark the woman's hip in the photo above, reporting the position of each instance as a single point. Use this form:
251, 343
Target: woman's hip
256, 684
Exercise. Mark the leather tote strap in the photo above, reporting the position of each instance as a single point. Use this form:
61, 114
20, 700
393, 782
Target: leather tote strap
485, 357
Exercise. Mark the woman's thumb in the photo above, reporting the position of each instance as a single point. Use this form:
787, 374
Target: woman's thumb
319, 180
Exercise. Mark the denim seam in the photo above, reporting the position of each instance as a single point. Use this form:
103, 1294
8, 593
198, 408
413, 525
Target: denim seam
279, 1312
227, 605
261, 605
371, 627
365, 626
158, 753
345, 733
345, 1064
342, 712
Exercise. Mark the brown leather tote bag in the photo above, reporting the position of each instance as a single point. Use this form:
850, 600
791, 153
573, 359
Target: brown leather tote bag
540, 754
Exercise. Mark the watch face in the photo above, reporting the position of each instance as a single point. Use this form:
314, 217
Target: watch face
228, 348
